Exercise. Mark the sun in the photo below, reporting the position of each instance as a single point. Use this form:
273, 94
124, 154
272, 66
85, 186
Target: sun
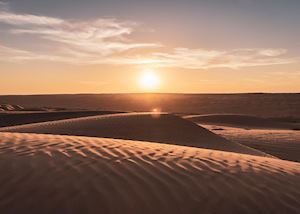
149, 80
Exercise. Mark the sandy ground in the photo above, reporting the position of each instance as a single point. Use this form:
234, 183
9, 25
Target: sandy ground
8, 118
67, 174
245, 121
263, 105
154, 127
277, 137
66, 166
284, 144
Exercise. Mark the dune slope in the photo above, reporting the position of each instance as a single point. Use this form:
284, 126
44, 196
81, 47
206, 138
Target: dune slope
159, 127
67, 174
21, 118
284, 144
8, 107
242, 121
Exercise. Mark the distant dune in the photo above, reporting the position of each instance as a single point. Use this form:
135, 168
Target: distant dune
154, 127
8, 107
21, 117
264, 105
243, 121
67, 174
284, 144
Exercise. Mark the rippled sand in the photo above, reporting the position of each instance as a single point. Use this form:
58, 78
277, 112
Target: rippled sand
154, 127
68, 174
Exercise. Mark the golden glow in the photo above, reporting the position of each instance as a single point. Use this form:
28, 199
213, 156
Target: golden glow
156, 110
60, 78
149, 80
155, 113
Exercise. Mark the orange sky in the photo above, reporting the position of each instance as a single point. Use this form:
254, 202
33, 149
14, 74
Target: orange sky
197, 47
40, 79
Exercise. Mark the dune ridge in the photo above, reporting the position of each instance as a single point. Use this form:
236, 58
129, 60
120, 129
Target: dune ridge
21, 118
68, 174
8, 107
284, 144
154, 127
243, 121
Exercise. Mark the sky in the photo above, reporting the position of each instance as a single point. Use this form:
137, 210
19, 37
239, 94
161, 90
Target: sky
191, 46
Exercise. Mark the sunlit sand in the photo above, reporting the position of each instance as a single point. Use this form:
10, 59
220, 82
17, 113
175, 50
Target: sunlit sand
68, 174
147, 162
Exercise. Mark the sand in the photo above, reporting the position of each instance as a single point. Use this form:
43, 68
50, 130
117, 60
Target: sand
8, 107
263, 105
243, 121
147, 163
154, 127
284, 144
67, 174
278, 137
21, 117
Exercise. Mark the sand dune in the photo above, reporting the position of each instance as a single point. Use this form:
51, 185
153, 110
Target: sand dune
242, 121
19, 118
67, 174
264, 105
162, 128
8, 107
284, 144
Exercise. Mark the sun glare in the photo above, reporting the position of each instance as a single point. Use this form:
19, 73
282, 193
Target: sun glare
149, 80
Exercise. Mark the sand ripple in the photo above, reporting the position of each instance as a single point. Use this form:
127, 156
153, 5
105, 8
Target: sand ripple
158, 127
67, 174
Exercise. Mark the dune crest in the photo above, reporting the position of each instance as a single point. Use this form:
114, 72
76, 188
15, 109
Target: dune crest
68, 174
28, 117
284, 144
242, 121
154, 127
8, 107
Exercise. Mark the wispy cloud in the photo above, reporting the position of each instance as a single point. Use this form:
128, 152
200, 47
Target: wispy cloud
16, 55
16, 19
107, 41
13, 54
205, 59
96, 38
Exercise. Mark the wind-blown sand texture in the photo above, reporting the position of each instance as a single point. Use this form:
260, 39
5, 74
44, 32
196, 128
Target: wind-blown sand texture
154, 127
284, 144
67, 174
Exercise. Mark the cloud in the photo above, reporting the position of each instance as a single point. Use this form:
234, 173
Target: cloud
16, 55
12, 54
15, 19
273, 52
101, 37
107, 41
206, 59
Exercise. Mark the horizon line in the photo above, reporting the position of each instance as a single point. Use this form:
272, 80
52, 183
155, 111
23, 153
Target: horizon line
149, 93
